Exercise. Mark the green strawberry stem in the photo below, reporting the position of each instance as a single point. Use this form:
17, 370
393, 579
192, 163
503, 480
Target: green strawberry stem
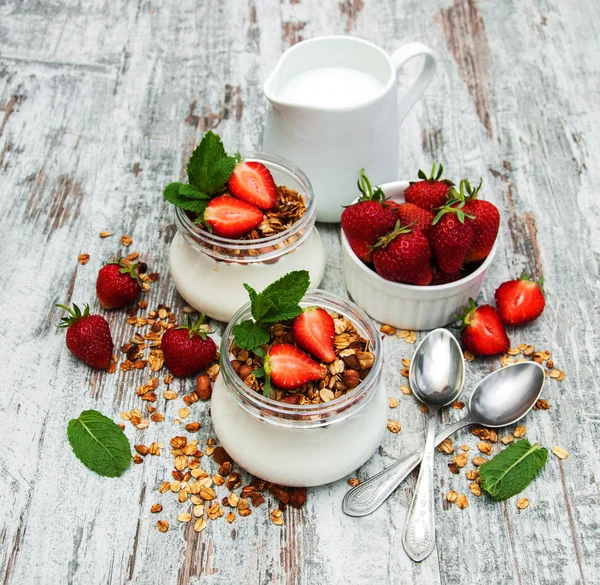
465, 315
196, 328
465, 192
384, 241
450, 208
434, 176
365, 187
74, 314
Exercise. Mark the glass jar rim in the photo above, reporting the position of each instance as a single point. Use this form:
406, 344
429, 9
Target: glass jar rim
264, 247
293, 414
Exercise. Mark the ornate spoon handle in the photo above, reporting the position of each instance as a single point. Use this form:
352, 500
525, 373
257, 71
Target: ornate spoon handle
365, 498
418, 537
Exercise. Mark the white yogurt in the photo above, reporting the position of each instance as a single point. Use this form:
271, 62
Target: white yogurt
297, 456
327, 87
215, 287
295, 445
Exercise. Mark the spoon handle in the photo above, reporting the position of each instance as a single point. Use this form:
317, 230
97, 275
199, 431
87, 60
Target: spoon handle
366, 497
418, 537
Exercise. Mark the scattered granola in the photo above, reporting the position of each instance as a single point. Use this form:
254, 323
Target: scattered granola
83, 259
560, 452
393, 426
126, 240
407, 335
461, 501
522, 503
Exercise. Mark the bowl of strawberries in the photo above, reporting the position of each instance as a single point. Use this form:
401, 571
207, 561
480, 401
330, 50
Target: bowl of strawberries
414, 253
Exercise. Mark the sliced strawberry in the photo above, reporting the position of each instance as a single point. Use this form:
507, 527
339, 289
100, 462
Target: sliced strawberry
520, 301
252, 182
232, 218
290, 367
314, 331
483, 332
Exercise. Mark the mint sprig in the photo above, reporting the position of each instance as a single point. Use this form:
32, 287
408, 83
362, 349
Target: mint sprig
208, 170
99, 443
512, 470
278, 302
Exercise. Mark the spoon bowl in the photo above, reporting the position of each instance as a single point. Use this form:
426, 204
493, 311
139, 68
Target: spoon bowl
506, 395
437, 370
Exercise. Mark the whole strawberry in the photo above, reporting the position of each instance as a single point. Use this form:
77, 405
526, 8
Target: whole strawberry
482, 330
484, 223
118, 284
416, 217
88, 336
439, 277
451, 237
188, 349
403, 256
367, 220
431, 192
520, 301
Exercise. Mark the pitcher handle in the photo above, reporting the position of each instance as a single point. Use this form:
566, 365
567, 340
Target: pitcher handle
399, 57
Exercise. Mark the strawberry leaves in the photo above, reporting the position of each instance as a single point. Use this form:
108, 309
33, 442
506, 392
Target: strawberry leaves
278, 302
208, 169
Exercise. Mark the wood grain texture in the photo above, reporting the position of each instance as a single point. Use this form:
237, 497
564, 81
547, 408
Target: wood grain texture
101, 103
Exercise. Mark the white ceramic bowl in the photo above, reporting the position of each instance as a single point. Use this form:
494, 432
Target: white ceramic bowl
408, 306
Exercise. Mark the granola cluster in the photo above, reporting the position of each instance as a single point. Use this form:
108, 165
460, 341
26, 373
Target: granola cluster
352, 364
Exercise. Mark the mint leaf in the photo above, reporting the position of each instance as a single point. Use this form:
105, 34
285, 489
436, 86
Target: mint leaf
99, 443
172, 193
209, 167
220, 173
248, 335
511, 471
191, 191
284, 295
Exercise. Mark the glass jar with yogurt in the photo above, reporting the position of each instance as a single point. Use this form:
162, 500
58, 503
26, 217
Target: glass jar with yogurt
209, 271
301, 445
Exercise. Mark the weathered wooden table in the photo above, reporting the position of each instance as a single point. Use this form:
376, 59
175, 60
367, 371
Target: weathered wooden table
100, 106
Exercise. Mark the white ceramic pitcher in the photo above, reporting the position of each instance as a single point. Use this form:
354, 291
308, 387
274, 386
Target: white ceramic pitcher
335, 111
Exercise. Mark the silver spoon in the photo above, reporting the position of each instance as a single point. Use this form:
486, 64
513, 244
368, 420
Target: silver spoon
501, 398
436, 377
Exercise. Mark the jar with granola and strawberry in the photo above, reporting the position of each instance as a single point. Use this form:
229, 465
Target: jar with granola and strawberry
306, 407
248, 219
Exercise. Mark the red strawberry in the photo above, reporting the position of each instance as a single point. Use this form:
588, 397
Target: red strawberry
416, 217
188, 349
88, 337
520, 301
233, 218
483, 333
118, 284
252, 182
289, 367
367, 220
430, 193
403, 256
451, 237
484, 223
314, 331
440, 277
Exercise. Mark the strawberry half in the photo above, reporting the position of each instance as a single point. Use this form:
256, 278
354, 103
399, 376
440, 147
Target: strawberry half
289, 367
118, 284
314, 331
483, 332
520, 301
230, 217
431, 192
252, 182
188, 349
88, 337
